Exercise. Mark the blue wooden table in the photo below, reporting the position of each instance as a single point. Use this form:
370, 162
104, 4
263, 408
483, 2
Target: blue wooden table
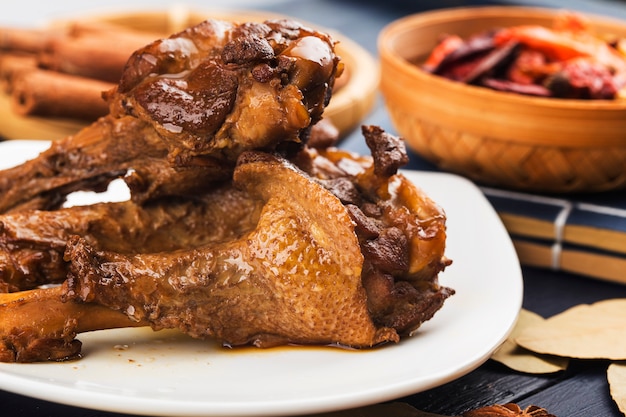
582, 390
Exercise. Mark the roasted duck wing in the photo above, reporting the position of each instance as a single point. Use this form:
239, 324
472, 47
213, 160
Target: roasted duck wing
223, 88
307, 273
190, 102
271, 286
32, 242
37, 325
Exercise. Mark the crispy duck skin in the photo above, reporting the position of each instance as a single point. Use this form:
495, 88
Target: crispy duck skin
32, 242
190, 102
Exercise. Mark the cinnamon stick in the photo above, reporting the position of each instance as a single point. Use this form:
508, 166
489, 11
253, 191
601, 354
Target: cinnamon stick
23, 40
112, 31
94, 54
52, 94
96, 49
12, 64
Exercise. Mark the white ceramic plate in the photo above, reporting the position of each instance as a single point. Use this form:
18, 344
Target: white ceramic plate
138, 371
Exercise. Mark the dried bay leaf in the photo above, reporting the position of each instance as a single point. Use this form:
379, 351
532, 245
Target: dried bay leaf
524, 360
616, 375
586, 331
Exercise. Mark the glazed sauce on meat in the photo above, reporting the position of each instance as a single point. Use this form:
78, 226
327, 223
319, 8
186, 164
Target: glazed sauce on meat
314, 60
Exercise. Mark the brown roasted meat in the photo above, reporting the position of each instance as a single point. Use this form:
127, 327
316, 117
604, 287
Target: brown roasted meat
236, 230
303, 274
37, 325
338, 249
32, 242
185, 108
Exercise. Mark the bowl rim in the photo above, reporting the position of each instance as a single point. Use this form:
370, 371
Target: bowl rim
409, 23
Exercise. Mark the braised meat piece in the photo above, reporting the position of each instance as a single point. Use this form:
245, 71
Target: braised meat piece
302, 274
268, 240
193, 101
401, 231
223, 88
38, 326
273, 285
108, 149
328, 251
32, 242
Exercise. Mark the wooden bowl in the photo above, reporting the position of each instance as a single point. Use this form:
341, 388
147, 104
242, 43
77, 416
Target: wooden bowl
498, 138
353, 100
